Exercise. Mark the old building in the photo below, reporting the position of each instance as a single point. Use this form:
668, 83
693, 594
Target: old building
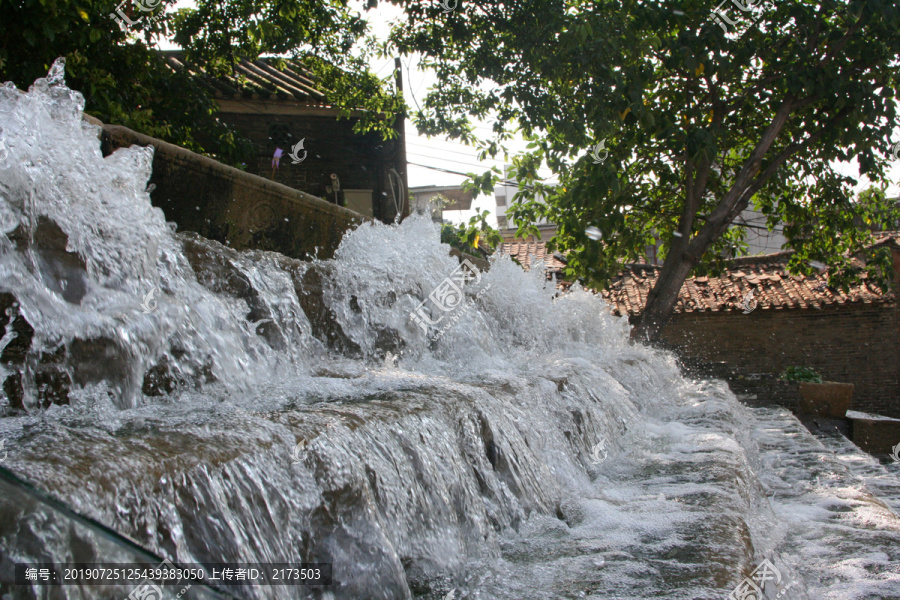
321, 154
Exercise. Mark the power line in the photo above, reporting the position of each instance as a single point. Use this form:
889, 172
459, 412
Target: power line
378, 72
512, 183
470, 155
746, 223
459, 162
409, 79
464, 146
442, 140
437, 169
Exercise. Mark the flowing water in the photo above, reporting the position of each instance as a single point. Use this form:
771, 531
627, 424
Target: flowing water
223, 406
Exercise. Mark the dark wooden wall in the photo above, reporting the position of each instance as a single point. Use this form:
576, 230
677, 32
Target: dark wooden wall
360, 161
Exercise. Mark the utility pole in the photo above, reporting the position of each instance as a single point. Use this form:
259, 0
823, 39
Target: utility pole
400, 126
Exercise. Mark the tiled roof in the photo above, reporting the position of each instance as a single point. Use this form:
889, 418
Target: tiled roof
257, 80
525, 251
766, 276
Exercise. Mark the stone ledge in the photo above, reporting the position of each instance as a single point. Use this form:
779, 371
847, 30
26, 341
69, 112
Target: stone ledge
874, 433
235, 208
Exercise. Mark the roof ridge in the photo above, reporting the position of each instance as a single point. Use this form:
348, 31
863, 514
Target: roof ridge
257, 78
755, 259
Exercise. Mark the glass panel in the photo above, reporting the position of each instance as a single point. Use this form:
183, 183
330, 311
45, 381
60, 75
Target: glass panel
35, 528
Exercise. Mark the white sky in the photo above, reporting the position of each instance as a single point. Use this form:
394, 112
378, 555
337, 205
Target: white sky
439, 152
442, 153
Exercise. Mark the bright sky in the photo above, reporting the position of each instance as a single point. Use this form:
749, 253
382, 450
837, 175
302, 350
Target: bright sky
426, 155
430, 158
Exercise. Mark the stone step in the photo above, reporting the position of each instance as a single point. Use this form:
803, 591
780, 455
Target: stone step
835, 506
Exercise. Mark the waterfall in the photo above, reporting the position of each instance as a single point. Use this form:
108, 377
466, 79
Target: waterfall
430, 429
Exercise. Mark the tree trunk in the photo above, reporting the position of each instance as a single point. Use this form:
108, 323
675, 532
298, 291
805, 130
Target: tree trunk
662, 298
680, 261
688, 249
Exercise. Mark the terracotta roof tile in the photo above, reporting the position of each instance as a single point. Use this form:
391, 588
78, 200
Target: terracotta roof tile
766, 276
524, 252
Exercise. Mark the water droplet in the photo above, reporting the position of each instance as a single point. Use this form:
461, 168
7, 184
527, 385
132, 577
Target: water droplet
57, 74
593, 233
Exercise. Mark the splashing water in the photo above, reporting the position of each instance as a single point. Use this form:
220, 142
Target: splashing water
223, 406
84, 250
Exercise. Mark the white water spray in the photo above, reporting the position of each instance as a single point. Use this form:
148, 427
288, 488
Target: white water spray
208, 422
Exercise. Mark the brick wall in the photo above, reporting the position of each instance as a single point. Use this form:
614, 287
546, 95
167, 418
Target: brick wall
859, 345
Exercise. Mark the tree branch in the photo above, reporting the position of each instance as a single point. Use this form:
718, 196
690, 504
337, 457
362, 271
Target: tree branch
841, 43
779, 160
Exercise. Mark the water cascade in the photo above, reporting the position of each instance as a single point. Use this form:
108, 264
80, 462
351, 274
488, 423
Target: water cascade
222, 406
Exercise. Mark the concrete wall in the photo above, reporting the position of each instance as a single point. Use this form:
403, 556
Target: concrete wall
858, 345
233, 207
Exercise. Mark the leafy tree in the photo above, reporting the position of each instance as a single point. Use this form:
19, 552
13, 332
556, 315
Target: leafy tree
452, 235
474, 237
876, 211
125, 81
690, 121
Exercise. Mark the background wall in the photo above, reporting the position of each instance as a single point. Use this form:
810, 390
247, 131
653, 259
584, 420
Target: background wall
859, 345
